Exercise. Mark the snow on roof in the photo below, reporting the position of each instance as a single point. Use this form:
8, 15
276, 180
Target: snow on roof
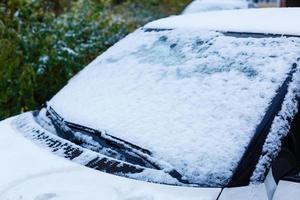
267, 20
193, 98
211, 5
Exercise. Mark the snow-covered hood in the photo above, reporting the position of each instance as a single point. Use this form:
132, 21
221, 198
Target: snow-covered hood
29, 172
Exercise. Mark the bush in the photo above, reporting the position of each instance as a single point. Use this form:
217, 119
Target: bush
43, 43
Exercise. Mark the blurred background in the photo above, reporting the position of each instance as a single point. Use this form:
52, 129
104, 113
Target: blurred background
43, 43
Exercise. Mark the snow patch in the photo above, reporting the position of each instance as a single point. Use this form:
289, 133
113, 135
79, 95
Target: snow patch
26, 125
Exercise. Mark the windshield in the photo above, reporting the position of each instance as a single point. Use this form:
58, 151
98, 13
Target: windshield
193, 98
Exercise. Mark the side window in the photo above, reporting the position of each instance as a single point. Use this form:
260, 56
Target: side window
287, 163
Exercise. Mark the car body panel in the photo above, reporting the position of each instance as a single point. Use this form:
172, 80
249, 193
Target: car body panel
287, 190
257, 192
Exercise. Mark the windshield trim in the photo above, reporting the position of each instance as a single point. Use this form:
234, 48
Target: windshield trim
250, 158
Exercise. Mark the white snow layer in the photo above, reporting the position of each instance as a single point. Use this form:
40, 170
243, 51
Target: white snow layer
29, 172
193, 98
280, 128
213, 5
266, 20
27, 126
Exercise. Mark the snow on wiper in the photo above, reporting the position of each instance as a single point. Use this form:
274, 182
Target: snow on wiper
39, 129
109, 145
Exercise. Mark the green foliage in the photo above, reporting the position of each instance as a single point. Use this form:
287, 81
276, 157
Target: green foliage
43, 43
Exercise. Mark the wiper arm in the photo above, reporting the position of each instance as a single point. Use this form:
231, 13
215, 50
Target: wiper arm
57, 118
109, 138
108, 145
100, 141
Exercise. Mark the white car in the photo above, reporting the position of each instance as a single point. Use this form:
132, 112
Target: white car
176, 110
198, 6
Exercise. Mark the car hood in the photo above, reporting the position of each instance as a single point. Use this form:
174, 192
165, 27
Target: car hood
28, 171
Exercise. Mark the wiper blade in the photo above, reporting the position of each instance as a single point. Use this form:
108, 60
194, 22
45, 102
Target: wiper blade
120, 142
100, 141
109, 145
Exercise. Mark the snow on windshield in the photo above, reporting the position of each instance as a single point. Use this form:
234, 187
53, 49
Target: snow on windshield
193, 98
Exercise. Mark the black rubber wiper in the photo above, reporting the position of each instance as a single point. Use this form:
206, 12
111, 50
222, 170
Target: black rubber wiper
109, 145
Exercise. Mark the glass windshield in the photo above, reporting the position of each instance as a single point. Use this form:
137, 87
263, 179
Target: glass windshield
193, 98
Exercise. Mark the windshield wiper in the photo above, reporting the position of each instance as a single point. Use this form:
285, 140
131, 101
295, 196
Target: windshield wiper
109, 145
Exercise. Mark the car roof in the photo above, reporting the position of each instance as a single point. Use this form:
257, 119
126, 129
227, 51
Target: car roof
211, 5
281, 21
